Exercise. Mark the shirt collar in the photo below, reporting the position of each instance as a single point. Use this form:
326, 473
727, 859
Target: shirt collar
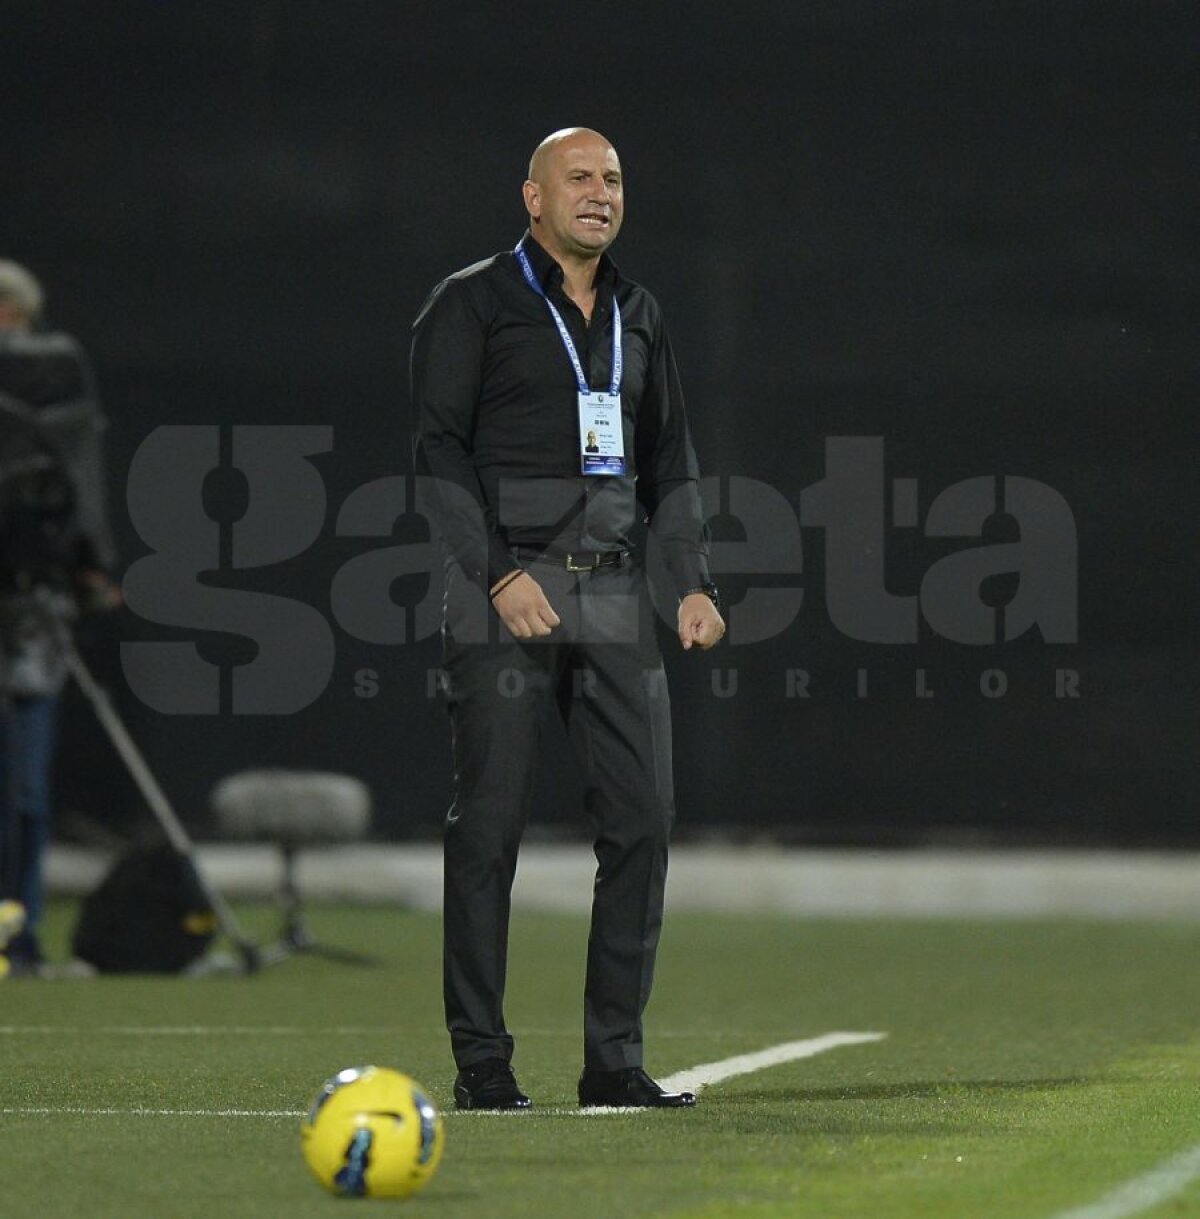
549, 273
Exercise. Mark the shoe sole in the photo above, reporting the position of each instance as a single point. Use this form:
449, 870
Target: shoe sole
493, 1108
632, 1104
467, 1104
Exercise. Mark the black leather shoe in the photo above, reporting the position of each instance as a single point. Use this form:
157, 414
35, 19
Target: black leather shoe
490, 1084
630, 1088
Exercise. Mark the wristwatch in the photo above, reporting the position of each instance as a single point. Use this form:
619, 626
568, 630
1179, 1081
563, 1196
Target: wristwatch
709, 590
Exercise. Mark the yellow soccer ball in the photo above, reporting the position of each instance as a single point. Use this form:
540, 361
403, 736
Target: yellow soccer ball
372, 1133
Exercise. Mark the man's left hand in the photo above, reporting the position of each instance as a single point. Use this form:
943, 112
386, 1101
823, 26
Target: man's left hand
98, 593
700, 623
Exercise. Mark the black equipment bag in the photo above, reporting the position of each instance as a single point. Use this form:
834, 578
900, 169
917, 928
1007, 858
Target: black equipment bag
149, 915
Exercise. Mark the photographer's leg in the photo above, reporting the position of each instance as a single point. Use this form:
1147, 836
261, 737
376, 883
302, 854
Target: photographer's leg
8, 806
32, 737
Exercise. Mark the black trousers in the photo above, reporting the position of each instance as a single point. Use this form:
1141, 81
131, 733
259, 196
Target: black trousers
603, 671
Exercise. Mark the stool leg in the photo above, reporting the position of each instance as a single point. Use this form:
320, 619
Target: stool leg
295, 933
295, 936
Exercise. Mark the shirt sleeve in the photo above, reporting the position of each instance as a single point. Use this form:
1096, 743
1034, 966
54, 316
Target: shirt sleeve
668, 473
88, 469
446, 370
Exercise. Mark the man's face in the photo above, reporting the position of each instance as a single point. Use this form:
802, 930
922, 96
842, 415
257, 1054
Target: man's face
577, 201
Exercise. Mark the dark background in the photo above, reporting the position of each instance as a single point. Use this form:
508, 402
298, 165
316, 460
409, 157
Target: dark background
970, 229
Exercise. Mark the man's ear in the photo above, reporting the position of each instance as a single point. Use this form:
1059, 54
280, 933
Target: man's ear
533, 199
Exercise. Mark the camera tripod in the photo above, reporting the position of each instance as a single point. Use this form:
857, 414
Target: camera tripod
249, 956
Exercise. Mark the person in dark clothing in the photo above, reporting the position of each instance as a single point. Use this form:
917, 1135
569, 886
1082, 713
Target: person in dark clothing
548, 406
55, 556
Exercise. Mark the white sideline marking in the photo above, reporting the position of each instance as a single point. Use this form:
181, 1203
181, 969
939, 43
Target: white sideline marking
1141, 1193
270, 1030
696, 1078
192, 1030
692, 1080
81, 1111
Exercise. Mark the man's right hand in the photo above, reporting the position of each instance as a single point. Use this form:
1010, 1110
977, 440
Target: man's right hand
523, 608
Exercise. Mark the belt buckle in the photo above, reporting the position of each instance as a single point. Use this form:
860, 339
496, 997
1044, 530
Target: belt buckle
573, 566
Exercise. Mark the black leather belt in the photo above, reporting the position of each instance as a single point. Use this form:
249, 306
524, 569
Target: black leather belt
573, 560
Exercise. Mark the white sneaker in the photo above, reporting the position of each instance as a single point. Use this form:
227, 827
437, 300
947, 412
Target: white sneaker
12, 919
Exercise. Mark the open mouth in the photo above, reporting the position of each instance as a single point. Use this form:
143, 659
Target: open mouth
593, 220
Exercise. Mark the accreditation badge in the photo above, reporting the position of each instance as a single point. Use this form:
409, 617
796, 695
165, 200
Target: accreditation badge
601, 436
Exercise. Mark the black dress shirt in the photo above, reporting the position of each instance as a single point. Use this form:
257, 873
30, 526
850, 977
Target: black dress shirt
498, 424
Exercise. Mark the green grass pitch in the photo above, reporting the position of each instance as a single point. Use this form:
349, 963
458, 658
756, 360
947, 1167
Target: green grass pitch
1029, 1068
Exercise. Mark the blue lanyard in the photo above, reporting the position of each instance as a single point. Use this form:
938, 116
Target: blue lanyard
565, 334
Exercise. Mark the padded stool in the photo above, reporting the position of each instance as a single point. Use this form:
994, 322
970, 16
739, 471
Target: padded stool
294, 809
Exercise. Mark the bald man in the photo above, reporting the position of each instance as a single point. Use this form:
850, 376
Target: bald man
550, 420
